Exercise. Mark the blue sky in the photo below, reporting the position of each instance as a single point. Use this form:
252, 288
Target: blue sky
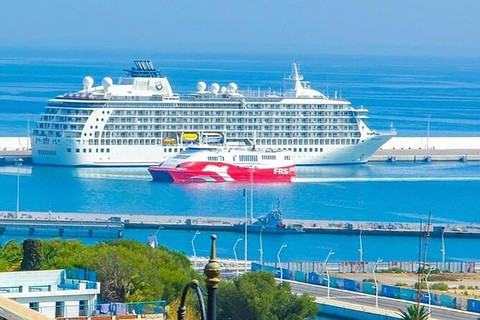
408, 27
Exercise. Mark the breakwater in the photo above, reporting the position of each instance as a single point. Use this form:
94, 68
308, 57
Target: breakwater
225, 224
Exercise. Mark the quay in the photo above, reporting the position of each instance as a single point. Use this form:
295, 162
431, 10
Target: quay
10, 221
118, 222
398, 149
427, 149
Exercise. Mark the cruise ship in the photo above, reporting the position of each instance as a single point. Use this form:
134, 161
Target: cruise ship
141, 121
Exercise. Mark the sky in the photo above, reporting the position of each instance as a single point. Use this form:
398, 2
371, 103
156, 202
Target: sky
378, 27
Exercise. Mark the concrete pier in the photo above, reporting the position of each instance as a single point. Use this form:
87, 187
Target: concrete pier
9, 221
131, 221
401, 149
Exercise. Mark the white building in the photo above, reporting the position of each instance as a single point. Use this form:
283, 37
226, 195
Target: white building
54, 293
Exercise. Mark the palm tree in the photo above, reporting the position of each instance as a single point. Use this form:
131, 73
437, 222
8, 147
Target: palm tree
413, 314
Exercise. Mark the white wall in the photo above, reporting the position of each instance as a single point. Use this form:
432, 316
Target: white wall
47, 304
14, 143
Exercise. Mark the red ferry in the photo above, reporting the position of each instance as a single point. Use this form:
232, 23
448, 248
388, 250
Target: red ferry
222, 164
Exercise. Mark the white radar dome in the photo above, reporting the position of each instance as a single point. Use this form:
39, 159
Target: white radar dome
87, 82
214, 88
107, 82
232, 87
223, 89
201, 86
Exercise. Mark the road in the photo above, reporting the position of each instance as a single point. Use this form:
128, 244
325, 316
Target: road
384, 303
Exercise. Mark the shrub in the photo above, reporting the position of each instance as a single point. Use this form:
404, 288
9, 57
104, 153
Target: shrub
442, 286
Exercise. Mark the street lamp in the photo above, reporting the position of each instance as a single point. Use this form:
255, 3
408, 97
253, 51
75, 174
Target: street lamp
261, 245
443, 246
428, 292
193, 247
331, 253
279, 263
235, 253
360, 250
375, 279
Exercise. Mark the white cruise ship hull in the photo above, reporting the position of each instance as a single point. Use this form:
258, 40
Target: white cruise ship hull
140, 121
56, 154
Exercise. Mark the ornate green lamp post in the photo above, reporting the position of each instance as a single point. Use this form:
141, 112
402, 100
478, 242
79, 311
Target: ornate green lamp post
212, 272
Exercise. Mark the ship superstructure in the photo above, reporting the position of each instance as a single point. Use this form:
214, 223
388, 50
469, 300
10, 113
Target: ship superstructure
141, 121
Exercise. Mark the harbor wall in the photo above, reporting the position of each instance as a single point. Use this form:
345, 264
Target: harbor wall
437, 143
15, 143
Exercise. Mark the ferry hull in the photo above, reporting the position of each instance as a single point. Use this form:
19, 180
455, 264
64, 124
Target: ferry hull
207, 172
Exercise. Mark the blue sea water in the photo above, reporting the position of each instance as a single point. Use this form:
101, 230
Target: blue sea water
402, 90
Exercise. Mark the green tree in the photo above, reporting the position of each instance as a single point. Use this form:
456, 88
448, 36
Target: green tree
413, 313
32, 255
10, 256
128, 270
257, 296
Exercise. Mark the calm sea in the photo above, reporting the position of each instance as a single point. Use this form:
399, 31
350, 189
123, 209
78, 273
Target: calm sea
398, 90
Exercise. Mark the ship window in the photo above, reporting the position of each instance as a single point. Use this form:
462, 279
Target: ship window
269, 157
84, 150
89, 150
212, 159
108, 150
287, 157
69, 149
248, 158
311, 149
294, 149
77, 150
316, 149
169, 149
102, 150
321, 149
96, 150
175, 150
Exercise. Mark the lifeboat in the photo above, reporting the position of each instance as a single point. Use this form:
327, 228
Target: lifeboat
169, 140
190, 136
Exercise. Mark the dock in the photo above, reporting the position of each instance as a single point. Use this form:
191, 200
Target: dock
398, 149
118, 222
9, 221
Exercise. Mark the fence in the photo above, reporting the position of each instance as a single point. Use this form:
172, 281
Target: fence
437, 299
102, 309
367, 266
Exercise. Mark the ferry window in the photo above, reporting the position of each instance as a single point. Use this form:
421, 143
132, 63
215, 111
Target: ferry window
321, 149
212, 159
69, 149
102, 150
316, 149
96, 150
287, 157
169, 149
175, 150
108, 150
311, 149
77, 150
84, 150
294, 149
89, 150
